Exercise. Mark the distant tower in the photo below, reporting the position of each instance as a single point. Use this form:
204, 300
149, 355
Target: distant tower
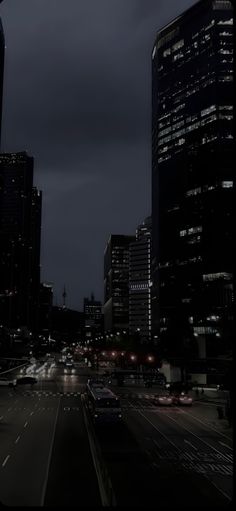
64, 295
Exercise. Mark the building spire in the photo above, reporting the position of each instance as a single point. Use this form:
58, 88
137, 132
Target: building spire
64, 295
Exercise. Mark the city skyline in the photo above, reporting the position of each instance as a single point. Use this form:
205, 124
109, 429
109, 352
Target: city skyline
107, 145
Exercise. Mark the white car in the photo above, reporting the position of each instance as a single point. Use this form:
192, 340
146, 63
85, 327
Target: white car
7, 382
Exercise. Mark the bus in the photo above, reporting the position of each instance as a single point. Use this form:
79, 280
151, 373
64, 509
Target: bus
103, 404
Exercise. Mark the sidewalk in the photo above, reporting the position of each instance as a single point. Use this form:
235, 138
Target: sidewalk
205, 409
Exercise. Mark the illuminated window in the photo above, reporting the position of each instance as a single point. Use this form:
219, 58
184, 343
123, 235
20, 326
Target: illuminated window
216, 276
226, 78
208, 110
226, 22
167, 52
178, 45
227, 184
195, 191
178, 56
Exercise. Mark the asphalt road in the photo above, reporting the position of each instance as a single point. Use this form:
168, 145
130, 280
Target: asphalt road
45, 456
189, 457
157, 456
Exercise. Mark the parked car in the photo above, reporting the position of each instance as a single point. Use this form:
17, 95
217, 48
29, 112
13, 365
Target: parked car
8, 382
165, 400
27, 380
182, 399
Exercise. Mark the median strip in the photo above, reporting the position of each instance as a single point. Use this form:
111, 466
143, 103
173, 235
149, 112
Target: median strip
104, 483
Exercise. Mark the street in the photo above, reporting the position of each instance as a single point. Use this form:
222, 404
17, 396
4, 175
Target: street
167, 455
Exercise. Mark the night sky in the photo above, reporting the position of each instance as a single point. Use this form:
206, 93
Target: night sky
77, 97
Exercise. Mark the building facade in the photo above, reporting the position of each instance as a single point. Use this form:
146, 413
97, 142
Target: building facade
93, 318
116, 283
20, 226
193, 175
45, 308
2, 58
140, 283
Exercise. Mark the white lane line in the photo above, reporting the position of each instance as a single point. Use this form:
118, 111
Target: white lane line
25, 424
189, 443
17, 440
199, 438
6, 460
49, 456
8, 409
204, 423
155, 427
1, 417
225, 445
31, 413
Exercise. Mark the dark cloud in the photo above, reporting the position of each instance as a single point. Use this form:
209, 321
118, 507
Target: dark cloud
77, 97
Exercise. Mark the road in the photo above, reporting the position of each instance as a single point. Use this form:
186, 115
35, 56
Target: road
45, 456
169, 456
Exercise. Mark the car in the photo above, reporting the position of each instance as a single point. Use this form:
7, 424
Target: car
164, 400
69, 370
7, 382
69, 363
27, 380
182, 399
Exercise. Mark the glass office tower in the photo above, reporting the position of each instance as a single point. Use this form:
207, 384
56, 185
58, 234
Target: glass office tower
193, 175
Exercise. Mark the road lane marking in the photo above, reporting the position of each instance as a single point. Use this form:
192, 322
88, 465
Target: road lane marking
193, 446
204, 423
1, 417
155, 427
6, 460
17, 440
8, 409
49, 457
225, 445
25, 424
31, 413
199, 438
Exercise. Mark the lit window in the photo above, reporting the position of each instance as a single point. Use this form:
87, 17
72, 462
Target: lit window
208, 110
227, 184
226, 22
178, 45
217, 276
178, 56
195, 191
167, 52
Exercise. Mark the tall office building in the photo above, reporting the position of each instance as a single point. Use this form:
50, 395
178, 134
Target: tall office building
2, 56
93, 318
20, 224
140, 283
45, 308
36, 218
116, 283
193, 175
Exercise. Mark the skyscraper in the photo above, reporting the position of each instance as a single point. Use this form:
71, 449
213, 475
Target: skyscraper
140, 283
192, 175
20, 224
116, 283
93, 318
2, 55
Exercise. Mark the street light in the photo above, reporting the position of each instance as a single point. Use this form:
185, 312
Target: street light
150, 358
133, 357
